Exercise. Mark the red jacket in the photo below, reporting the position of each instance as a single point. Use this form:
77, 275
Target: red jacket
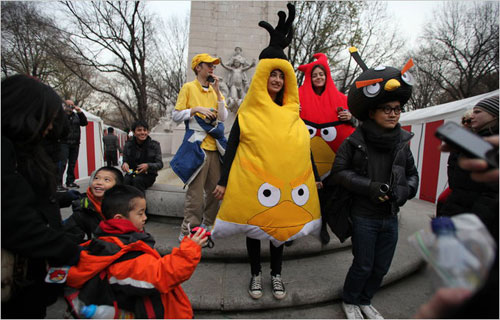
154, 278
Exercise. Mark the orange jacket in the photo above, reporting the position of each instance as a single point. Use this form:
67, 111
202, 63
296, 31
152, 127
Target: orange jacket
145, 275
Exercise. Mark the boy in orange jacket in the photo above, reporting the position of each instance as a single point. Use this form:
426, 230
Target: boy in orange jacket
143, 282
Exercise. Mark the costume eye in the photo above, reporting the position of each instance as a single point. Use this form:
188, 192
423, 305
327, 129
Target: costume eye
407, 78
312, 131
300, 195
329, 134
268, 195
371, 90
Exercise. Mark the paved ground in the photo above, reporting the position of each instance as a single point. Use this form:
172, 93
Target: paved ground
400, 299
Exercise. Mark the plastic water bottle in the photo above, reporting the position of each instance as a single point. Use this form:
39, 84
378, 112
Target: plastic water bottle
93, 311
460, 250
455, 265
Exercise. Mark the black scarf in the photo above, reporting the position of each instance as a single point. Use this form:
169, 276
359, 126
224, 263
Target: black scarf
379, 137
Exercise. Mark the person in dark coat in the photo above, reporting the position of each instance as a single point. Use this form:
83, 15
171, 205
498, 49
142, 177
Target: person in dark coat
31, 221
141, 158
469, 195
377, 168
111, 146
70, 144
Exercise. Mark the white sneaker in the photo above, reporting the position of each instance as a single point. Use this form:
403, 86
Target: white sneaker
279, 291
352, 311
255, 288
370, 312
207, 227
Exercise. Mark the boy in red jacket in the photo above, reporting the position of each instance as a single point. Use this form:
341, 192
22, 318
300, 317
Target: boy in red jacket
143, 282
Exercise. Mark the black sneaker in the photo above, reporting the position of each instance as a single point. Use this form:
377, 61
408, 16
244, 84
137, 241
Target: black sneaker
72, 185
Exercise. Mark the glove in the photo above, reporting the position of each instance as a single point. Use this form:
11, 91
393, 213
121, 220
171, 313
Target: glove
74, 194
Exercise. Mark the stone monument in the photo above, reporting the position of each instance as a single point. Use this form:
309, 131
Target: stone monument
237, 80
227, 29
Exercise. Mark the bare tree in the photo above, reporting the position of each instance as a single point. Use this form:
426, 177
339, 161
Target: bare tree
26, 37
331, 27
460, 49
33, 44
115, 38
378, 40
169, 74
322, 27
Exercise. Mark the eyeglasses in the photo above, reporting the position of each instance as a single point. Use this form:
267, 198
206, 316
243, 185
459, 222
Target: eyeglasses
466, 121
387, 110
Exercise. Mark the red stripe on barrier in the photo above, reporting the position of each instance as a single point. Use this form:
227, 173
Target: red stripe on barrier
430, 162
407, 128
76, 170
89, 130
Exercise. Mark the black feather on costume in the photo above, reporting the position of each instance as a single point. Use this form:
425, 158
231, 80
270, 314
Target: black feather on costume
378, 85
281, 36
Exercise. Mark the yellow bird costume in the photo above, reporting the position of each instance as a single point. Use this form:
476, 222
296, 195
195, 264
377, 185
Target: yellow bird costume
271, 192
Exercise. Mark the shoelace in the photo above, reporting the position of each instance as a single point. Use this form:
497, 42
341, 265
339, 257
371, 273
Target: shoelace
256, 284
278, 284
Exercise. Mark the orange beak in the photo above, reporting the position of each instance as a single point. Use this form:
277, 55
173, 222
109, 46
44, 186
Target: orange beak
282, 221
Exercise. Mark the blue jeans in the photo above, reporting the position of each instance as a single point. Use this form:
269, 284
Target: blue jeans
373, 245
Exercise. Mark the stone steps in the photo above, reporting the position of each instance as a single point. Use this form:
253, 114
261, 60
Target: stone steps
313, 273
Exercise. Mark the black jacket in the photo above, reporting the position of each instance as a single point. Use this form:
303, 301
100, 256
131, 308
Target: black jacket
470, 196
149, 152
76, 120
31, 223
31, 229
350, 169
80, 226
111, 143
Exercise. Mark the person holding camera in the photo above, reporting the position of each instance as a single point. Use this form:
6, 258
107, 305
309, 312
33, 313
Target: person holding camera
468, 195
70, 145
203, 98
376, 167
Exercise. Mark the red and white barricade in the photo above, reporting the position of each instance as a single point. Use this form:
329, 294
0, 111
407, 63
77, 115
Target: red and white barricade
430, 161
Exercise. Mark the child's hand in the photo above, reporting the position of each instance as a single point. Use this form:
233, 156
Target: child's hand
219, 192
199, 237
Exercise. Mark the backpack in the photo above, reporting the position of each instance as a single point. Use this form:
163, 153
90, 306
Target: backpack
97, 291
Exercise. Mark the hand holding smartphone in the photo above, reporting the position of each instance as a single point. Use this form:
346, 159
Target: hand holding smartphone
471, 144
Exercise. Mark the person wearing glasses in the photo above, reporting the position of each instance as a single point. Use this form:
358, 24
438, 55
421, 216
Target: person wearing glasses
377, 168
198, 164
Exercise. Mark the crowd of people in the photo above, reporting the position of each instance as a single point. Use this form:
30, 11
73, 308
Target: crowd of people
329, 143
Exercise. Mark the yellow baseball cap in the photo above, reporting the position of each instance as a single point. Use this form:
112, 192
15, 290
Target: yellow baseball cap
203, 57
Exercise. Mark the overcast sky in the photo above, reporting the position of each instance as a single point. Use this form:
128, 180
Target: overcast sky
410, 15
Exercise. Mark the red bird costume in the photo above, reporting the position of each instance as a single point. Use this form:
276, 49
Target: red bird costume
319, 113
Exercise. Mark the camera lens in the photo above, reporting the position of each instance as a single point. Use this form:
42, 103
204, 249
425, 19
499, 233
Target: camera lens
384, 188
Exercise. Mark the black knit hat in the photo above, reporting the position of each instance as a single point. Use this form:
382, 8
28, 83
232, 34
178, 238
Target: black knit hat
489, 105
281, 36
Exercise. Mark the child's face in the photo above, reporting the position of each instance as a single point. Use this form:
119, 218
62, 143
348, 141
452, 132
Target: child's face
102, 181
138, 213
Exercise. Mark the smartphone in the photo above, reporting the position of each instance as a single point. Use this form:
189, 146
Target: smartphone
210, 79
468, 142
